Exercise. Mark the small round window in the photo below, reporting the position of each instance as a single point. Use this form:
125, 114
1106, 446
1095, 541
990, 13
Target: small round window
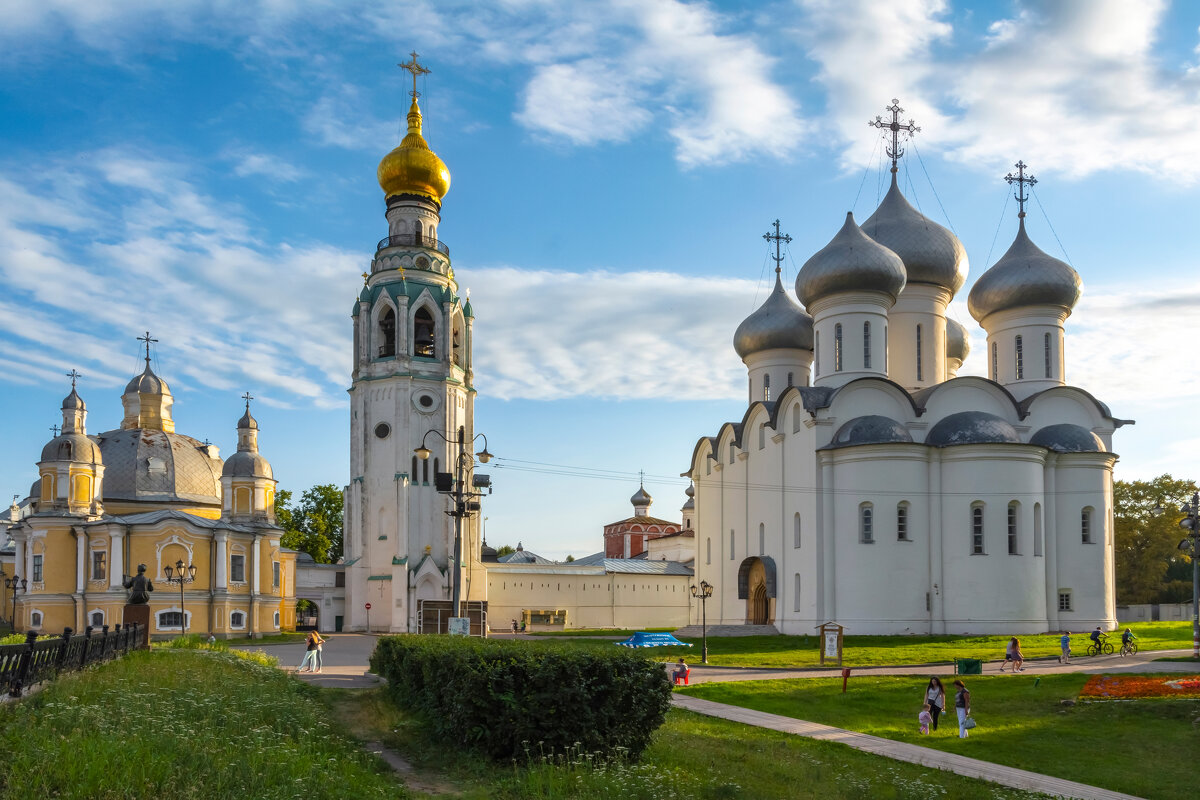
425, 400
382, 430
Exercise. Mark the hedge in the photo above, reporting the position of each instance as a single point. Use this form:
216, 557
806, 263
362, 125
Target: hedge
513, 700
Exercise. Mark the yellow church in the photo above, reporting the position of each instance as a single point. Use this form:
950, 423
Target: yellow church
144, 494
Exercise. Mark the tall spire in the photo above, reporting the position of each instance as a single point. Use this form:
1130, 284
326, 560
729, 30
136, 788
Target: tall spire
785, 238
1021, 180
897, 129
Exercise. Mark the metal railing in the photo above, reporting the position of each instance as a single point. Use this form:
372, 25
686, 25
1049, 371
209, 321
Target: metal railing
413, 240
32, 661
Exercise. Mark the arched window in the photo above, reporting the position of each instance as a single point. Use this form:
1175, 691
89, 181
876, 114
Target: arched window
995, 363
1085, 525
97, 619
708, 550
456, 344
412, 476
817, 351
1012, 529
837, 347
796, 418
902, 522
796, 593
766, 388
762, 435
920, 371
791, 379
387, 334
1046, 340
866, 523
796, 530
977, 530
1037, 529
417, 232
762, 539
237, 619
866, 345
732, 452
1020, 359
731, 544
423, 344
425, 472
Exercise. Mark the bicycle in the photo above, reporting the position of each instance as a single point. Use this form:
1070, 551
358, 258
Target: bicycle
1129, 649
1103, 646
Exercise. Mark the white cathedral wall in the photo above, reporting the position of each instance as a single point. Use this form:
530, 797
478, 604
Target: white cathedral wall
968, 393
925, 305
778, 364
1085, 570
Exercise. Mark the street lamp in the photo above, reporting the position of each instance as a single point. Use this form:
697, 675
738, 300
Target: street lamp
181, 575
1191, 546
703, 592
464, 461
15, 584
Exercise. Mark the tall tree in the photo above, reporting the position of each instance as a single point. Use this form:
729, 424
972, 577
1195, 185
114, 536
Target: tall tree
1147, 545
314, 524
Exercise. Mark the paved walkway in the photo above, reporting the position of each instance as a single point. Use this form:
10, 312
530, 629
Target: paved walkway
345, 657
902, 751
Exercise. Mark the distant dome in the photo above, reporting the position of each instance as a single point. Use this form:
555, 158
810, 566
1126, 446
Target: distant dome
870, 429
488, 554
852, 261
1068, 438
73, 401
147, 465
972, 427
779, 322
1024, 276
72, 447
691, 490
931, 254
641, 497
958, 342
247, 421
147, 383
245, 464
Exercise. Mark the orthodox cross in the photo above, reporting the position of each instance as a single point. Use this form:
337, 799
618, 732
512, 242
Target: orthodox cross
366, 277
54, 428
896, 127
147, 340
247, 397
416, 69
785, 238
1021, 181
74, 376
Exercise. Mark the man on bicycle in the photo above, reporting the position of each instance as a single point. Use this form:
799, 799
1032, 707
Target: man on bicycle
1098, 638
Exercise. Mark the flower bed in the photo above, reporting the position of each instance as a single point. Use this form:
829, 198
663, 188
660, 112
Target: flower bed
1100, 687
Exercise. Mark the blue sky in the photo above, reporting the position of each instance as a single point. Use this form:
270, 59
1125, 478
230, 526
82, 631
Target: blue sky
205, 170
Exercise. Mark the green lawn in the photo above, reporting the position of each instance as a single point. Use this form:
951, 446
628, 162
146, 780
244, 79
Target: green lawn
802, 651
1136, 747
624, 634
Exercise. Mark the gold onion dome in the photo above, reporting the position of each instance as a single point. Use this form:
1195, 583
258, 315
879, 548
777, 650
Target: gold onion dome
412, 168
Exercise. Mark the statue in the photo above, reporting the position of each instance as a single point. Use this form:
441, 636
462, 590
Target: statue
139, 587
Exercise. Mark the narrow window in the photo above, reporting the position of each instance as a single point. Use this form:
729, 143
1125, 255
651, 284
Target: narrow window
837, 347
866, 345
1037, 529
762, 539
237, 569
35, 619
37, 569
412, 476
791, 378
97, 619
1012, 529
387, 334
817, 351
423, 334
866, 523
977, 530
995, 363
762, 435
275, 574
919, 369
796, 530
732, 452
98, 558
1064, 601
766, 388
796, 418
902, 522
1020, 359
1085, 525
885, 348
796, 593
1047, 349
731, 544
708, 550
425, 472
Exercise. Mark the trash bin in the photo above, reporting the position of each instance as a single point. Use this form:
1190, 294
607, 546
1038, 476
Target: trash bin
968, 666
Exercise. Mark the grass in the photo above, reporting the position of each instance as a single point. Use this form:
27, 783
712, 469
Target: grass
802, 651
691, 757
184, 724
614, 632
1129, 746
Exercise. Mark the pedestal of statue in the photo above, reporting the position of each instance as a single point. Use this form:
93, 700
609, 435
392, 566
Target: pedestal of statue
139, 614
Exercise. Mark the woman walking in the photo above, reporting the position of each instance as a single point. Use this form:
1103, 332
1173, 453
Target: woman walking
310, 654
935, 696
962, 704
320, 641
1018, 658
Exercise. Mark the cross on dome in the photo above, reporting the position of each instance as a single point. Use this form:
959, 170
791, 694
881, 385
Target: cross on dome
54, 429
785, 238
74, 376
247, 397
416, 69
147, 340
897, 128
1021, 180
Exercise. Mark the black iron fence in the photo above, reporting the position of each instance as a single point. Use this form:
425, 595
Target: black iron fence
33, 661
412, 240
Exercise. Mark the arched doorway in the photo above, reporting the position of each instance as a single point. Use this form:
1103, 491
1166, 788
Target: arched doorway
756, 585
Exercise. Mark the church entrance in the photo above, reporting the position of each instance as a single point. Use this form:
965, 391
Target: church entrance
758, 606
756, 585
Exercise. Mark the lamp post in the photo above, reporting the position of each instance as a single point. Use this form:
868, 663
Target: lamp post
464, 462
1191, 546
181, 575
703, 592
15, 584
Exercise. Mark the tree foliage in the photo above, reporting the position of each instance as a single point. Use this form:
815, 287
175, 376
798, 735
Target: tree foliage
1147, 545
505, 550
314, 524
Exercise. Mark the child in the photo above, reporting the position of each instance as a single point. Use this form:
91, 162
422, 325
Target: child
925, 718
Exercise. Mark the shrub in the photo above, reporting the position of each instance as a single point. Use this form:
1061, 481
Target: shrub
510, 700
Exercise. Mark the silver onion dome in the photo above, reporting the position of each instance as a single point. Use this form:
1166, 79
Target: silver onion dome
1024, 276
248, 421
246, 464
931, 254
147, 383
73, 401
72, 447
779, 322
958, 342
641, 497
852, 261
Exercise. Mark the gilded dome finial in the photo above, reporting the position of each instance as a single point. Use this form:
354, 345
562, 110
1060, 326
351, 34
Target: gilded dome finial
412, 168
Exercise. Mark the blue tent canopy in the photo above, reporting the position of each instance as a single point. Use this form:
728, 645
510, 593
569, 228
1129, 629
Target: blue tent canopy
642, 639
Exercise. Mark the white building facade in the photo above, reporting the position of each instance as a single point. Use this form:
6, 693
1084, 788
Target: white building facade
868, 485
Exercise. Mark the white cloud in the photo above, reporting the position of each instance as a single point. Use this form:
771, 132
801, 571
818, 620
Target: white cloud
249, 164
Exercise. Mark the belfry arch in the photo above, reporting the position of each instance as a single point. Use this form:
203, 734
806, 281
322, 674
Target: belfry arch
756, 585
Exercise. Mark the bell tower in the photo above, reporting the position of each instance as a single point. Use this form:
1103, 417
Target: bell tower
412, 376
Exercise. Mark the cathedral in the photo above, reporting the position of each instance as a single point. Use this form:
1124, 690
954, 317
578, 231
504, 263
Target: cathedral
144, 494
869, 485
